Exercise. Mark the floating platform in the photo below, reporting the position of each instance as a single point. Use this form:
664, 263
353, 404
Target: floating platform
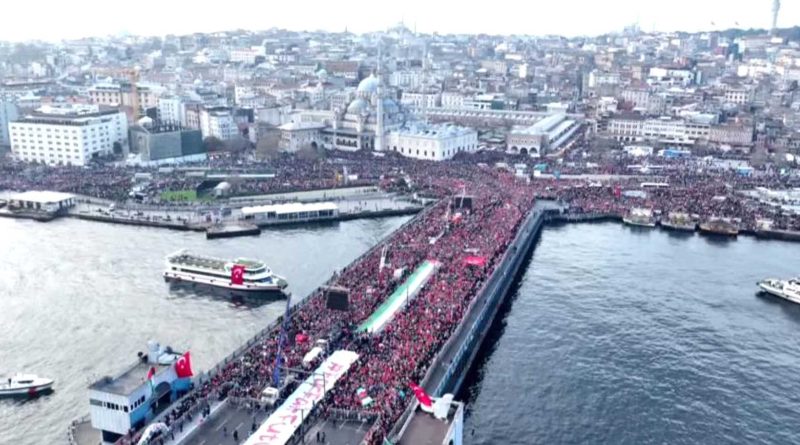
28, 214
128, 221
232, 230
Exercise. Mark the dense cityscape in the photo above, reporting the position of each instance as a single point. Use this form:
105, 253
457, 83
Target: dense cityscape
482, 138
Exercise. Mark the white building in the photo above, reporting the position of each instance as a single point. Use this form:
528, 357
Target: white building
670, 76
406, 78
420, 99
549, 134
738, 95
599, 78
8, 113
115, 95
218, 122
68, 134
432, 142
452, 100
664, 129
298, 135
171, 110
247, 55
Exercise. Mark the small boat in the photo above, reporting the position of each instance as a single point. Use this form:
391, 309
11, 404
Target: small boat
765, 228
720, 226
24, 385
640, 218
240, 275
786, 289
679, 222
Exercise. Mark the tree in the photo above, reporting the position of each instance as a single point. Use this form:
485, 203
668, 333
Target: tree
310, 153
213, 143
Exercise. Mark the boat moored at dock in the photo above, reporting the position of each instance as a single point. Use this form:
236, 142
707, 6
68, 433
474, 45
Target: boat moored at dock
765, 228
720, 226
640, 217
786, 289
678, 221
241, 275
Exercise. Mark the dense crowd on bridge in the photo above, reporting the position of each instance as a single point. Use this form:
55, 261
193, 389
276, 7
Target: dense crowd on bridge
402, 352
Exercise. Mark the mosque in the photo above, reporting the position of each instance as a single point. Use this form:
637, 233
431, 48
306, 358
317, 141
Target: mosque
376, 122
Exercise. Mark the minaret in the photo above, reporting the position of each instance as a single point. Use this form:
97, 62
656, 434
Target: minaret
424, 88
379, 132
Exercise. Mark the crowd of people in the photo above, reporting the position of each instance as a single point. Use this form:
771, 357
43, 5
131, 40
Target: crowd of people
447, 232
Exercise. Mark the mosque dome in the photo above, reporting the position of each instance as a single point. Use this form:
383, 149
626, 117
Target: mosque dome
358, 106
368, 85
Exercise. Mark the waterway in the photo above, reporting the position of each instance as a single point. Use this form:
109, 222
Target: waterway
78, 299
624, 336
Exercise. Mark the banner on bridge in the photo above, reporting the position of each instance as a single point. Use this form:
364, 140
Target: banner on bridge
280, 426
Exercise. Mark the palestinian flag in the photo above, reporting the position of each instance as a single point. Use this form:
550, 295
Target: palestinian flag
150, 374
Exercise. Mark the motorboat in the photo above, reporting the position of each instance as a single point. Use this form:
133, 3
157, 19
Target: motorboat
24, 385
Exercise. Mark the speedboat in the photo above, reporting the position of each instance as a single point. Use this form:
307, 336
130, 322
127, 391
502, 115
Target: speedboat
786, 289
24, 385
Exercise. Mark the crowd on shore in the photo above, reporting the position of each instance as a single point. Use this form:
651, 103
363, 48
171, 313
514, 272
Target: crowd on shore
695, 186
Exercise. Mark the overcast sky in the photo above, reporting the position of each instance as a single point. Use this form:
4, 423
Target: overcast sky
57, 19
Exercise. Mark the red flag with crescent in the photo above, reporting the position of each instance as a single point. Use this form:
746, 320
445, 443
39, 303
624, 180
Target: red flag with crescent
183, 367
237, 274
423, 397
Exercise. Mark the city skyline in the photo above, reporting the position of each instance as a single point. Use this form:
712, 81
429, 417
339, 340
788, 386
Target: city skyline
150, 18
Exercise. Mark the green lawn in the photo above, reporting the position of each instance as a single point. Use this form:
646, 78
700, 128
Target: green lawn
181, 195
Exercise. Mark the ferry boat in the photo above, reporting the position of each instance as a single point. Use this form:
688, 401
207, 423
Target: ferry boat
786, 289
720, 226
679, 221
640, 218
241, 275
25, 385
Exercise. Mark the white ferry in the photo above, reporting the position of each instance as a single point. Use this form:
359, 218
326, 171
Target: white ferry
241, 274
640, 217
24, 385
786, 289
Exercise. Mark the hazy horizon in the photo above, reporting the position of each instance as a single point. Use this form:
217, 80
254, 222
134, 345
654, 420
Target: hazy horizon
567, 17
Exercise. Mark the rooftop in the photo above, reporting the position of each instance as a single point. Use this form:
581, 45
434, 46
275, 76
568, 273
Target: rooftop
129, 380
425, 429
294, 207
42, 196
434, 130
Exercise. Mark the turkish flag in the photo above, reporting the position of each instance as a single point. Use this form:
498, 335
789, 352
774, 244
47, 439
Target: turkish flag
183, 367
237, 274
424, 399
